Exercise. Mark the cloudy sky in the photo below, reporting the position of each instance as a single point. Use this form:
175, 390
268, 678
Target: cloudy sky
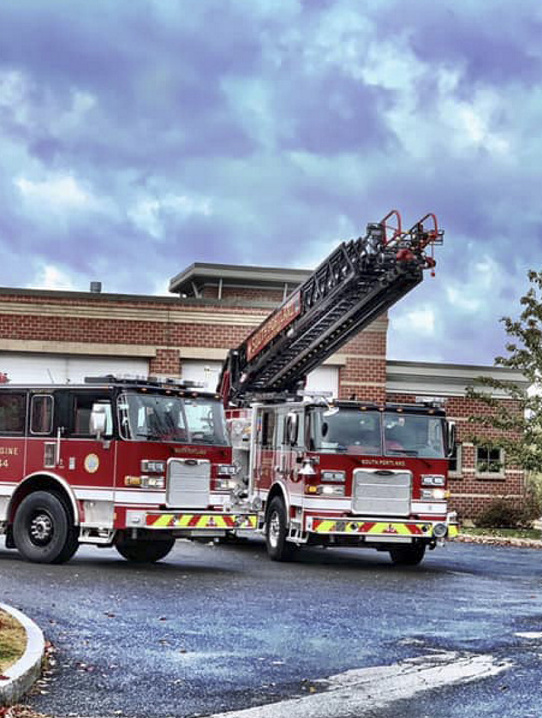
140, 136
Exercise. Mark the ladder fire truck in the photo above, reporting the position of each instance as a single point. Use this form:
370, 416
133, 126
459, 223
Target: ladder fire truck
129, 463
340, 473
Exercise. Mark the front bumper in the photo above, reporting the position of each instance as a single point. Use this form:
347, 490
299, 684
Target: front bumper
381, 530
187, 522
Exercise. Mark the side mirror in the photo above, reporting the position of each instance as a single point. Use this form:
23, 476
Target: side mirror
98, 420
451, 436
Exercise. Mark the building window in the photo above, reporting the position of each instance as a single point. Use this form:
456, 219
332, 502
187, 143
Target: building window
455, 462
489, 462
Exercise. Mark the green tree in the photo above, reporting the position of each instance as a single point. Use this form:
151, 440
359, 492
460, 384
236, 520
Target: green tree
516, 425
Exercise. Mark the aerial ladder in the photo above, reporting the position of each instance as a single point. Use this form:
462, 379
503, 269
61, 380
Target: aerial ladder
359, 281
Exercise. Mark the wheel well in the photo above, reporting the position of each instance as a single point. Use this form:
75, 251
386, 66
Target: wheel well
40, 483
276, 490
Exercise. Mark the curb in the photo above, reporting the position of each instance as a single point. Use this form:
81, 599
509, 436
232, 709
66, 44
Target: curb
499, 541
22, 675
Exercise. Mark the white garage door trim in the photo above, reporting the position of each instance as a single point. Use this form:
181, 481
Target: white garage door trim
60, 368
324, 379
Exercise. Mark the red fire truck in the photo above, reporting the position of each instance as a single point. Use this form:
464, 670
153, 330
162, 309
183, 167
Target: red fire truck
340, 473
123, 462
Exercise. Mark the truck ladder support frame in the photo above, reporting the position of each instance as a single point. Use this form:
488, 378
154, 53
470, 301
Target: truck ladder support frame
351, 288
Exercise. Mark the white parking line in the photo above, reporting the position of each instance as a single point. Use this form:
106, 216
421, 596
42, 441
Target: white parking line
357, 691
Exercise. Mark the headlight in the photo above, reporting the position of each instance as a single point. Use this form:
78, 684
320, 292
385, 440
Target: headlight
153, 482
440, 530
434, 494
336, 477
433, 480
152, 466
227, 470
331, 490
225, 484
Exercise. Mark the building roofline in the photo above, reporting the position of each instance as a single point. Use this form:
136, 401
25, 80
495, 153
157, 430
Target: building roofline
251, 274
446, 379
79, 294
449, 368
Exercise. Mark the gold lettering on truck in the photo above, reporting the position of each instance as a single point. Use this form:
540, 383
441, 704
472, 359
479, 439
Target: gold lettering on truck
6, 451
278, 321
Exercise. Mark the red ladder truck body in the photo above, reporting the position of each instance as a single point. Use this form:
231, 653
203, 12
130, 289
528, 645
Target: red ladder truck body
340, 473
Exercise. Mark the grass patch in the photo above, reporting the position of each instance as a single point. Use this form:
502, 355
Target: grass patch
504, 533
12, 640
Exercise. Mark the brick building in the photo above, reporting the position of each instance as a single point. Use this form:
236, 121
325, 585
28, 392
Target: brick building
54, 336
478, 476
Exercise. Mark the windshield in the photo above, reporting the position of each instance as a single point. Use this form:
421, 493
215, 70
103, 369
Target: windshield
347, 430
412, 435
362, 432
159, 417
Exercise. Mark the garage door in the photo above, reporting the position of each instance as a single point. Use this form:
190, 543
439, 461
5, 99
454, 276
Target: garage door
60, 368
323, 379
202, 372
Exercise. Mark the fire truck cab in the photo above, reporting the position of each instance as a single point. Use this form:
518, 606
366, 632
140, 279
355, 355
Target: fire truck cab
129, 463
349, 473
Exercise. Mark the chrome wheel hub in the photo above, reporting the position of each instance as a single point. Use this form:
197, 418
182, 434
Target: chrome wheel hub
274, 529
41, 529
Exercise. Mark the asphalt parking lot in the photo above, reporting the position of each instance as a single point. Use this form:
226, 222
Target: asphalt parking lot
214, 629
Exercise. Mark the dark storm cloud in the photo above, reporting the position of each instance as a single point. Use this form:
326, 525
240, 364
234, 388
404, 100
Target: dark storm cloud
138, 137
494, 43
337, 114
157, 79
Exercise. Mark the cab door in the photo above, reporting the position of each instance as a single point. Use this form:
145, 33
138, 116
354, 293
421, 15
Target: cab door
67, 447
291, 450
265, 454
13, 411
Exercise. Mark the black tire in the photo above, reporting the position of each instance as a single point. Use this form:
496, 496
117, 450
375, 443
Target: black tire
144, 550
407, 555
43, 529
276, 530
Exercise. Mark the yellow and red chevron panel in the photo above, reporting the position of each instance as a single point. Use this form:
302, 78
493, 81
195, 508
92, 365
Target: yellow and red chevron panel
376, 528
201, 521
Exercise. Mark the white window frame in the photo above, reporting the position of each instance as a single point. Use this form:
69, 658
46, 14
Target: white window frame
458, 473
489, 474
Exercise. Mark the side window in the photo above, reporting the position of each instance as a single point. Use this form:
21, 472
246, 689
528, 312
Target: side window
41, 414
280, 423
82, 408
12, 413
313, 429
294, 429
268, 429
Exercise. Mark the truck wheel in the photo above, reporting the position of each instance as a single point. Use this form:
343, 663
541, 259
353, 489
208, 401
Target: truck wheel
144, 550
407, 555
43, 529
276, 530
